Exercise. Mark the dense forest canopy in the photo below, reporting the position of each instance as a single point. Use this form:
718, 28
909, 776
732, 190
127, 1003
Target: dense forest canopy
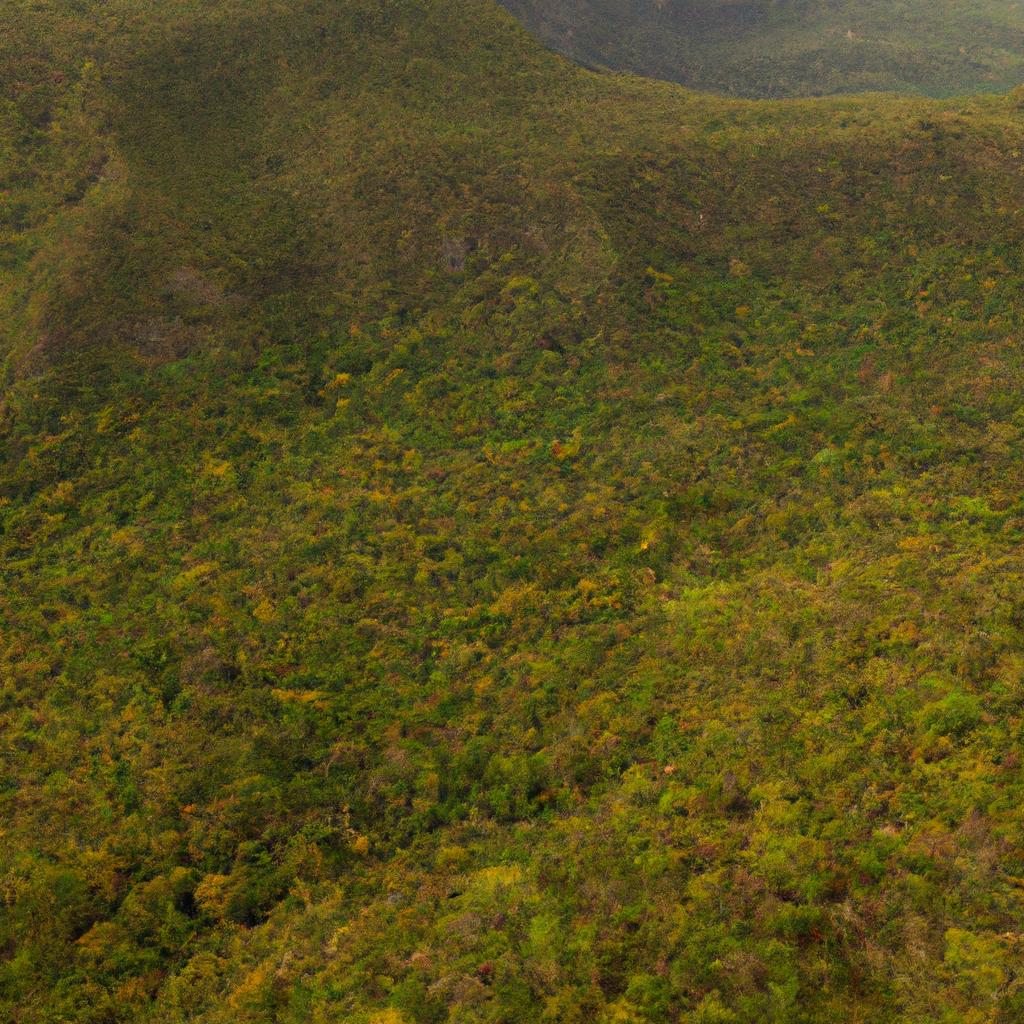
487, 541
774, 48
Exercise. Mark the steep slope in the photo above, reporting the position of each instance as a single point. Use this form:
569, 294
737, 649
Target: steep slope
487, 541
774, 48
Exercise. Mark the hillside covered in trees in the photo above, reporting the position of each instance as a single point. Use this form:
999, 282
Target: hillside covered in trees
775, 48
491, 542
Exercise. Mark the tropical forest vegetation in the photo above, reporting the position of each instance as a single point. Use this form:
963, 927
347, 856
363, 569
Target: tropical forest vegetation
489, 541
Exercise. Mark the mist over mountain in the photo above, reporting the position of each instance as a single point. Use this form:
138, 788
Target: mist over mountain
777, 48
487, 541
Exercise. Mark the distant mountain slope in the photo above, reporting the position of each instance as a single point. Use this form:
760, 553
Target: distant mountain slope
484, 541
775, 48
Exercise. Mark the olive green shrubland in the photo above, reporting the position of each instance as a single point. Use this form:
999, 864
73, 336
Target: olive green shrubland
487, 541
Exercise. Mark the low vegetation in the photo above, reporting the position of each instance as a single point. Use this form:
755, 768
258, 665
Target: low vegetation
487, 541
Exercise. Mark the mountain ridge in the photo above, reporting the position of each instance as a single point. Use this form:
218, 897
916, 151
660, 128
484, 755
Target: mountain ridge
766, 49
